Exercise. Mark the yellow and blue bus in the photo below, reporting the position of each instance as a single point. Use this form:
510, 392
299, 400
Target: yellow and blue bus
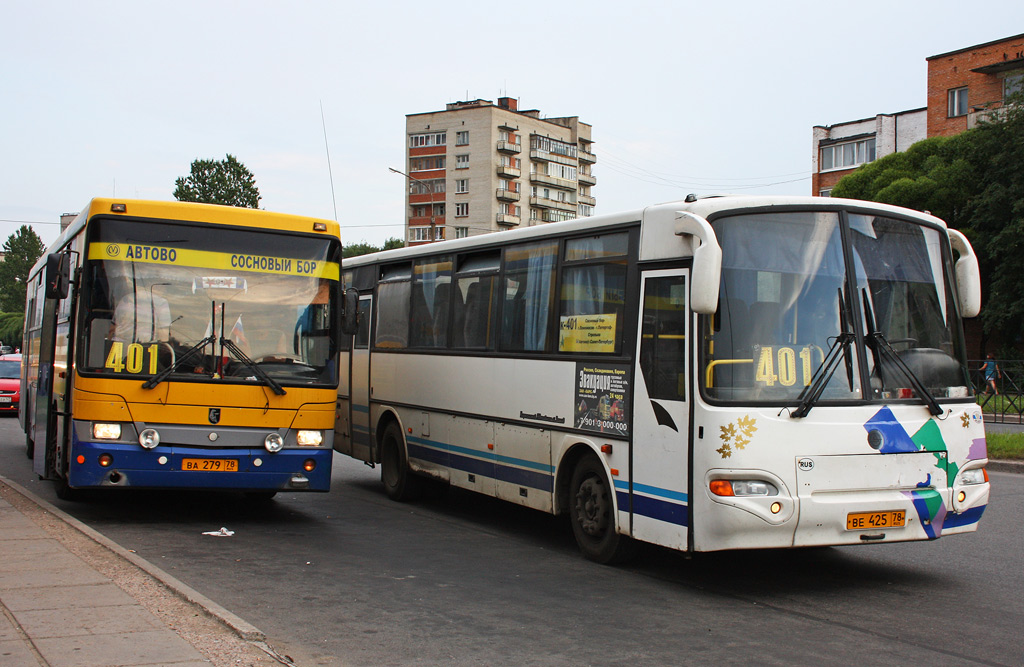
179, 345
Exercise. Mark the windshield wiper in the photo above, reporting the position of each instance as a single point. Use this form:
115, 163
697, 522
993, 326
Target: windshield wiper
179, 362
252, 365
840, 346
883, 351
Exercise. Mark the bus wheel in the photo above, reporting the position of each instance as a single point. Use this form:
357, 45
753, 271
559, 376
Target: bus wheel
400, 482
65, 492
592, 514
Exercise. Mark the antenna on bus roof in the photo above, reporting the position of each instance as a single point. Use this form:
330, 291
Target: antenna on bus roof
328, 149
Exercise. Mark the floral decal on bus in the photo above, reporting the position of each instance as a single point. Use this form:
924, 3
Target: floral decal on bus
737, 435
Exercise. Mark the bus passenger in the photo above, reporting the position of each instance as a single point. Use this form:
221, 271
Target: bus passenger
141, 316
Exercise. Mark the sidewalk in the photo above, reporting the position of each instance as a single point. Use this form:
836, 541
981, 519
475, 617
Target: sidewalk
63, 601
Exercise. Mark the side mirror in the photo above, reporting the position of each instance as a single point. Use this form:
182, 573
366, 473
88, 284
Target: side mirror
58, 275
707, 262
968, 275
350, 311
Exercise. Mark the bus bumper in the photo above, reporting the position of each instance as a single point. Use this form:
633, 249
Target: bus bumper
256, 470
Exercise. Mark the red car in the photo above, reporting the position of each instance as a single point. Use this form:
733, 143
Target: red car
10, 383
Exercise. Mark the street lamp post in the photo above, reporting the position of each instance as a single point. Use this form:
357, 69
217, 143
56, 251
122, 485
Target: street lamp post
430, 187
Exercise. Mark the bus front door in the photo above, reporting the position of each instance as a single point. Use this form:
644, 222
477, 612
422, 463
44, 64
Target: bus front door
659, 481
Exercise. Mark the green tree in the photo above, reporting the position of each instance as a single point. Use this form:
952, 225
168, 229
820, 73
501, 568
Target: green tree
357, 249
364, 248
975, 182
21, 250
226, 182
11, 327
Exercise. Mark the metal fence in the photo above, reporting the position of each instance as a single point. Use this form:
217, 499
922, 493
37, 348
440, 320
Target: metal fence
1005, 404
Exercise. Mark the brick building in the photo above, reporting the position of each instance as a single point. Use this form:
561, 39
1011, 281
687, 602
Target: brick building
967, 84
480, 167
963, 86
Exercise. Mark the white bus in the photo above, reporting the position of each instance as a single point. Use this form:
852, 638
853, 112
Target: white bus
718, 373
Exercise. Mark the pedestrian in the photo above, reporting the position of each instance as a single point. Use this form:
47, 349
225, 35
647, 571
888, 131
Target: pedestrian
991, 370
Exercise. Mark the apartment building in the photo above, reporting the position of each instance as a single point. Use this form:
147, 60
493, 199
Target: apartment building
964, 86
480, 167
841, 148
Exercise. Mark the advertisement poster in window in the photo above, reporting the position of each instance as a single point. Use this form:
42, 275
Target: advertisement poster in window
602, 398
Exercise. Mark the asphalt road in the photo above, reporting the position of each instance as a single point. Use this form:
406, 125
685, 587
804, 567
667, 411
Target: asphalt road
350, 577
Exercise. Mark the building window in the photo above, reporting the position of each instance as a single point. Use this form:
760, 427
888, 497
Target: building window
461, 232
461, 209
461, 186
428, 139
826, 192
462, 161
419, 234
1013, 84
846, 155
418, 187
958, 102
585, 210
426, 163
462, 138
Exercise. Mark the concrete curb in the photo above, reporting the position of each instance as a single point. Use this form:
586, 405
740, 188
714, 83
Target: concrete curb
1006, 466
239, 626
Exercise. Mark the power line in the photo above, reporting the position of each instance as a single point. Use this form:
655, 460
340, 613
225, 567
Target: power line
28, 222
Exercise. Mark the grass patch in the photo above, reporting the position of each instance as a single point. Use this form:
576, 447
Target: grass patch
1005, 445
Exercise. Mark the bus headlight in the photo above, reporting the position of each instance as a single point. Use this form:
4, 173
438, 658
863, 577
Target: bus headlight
742, 487
273, 442
102, 431
309, 438
973, 476
149, 438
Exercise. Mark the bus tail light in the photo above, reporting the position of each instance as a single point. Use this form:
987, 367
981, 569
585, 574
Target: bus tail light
105, 460
102, 431
309, 465
742, 487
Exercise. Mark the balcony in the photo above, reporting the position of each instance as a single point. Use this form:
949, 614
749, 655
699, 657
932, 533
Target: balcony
506, 195
513, 147
548, 216
586, 179
509, 171
544, 156
560, 183
586, 157
544, 202
585, 199
507, 220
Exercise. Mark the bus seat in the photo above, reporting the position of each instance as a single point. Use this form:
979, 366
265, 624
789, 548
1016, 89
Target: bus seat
442, 301
457, 337
476, 318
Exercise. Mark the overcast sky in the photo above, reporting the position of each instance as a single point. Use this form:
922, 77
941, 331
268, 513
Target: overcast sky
118, 98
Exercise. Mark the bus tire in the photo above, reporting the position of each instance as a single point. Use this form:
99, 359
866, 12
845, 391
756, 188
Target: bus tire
399, 481
592, 514
65, 492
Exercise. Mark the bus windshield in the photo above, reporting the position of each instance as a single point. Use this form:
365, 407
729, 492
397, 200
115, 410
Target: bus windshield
159, 296
785, 304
